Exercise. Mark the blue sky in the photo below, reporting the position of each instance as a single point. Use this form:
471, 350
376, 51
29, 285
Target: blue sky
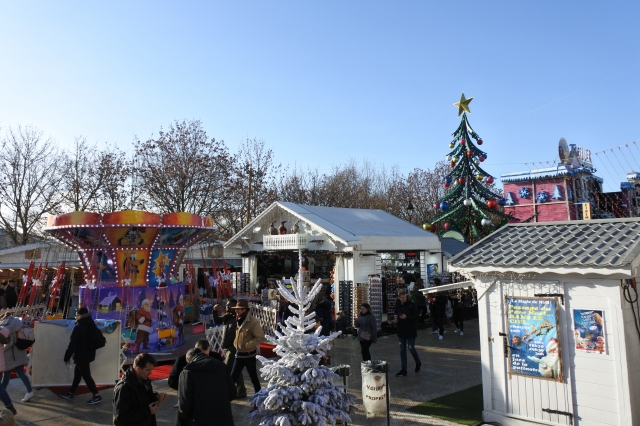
323, 82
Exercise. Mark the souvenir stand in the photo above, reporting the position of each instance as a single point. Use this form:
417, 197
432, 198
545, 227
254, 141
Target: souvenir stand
343, 247
559, 326
129, 260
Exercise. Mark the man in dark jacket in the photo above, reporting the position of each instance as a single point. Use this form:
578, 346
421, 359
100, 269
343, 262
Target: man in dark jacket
10, 295
134, 401
229, 327
82, 356
205, 393
181, 362
407, 330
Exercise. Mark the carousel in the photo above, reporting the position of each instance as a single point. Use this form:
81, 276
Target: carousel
129, 261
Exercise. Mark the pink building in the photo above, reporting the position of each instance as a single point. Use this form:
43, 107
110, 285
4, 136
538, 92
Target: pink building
558, 193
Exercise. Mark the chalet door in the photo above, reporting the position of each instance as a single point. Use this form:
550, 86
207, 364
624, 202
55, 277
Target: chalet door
528, 397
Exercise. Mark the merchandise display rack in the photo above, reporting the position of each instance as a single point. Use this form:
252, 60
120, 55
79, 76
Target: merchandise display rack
346, 299
375, 298
360, 296
241, 283
392, 295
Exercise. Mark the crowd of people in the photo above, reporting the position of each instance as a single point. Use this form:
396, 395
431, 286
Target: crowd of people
206, 382
411, 310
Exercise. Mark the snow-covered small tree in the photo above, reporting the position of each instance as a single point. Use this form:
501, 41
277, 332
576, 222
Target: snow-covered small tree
300, 391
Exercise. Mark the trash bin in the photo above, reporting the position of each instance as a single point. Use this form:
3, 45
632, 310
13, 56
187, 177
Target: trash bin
375, 388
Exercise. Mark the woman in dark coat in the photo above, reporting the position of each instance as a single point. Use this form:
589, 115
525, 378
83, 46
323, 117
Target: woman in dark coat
82, 356
407, 317
367, 330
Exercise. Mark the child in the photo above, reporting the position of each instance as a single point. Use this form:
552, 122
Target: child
341, 323
6, 418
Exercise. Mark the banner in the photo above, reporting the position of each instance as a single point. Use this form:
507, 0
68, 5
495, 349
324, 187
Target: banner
588, 330
534, 341
152, 317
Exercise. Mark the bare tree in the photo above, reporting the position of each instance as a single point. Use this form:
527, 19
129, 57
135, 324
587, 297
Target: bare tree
181, 170
30, 181
117, 182
254, 186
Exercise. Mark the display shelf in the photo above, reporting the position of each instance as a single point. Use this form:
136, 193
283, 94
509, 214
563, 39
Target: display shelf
346, 299
375, 298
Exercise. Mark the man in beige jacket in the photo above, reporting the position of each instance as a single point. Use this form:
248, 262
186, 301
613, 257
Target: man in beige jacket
249, 335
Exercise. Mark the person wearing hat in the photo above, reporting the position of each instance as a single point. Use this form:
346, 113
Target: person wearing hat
249, 335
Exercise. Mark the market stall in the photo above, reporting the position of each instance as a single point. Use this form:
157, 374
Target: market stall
353, 251
558, 315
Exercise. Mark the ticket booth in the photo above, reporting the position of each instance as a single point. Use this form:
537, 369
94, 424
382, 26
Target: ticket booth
559, 327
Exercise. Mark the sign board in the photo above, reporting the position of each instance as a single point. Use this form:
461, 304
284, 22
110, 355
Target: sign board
588, 330
533, 337
586, 211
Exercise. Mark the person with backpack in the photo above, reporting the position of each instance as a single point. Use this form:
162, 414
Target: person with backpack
82, 345
15, 357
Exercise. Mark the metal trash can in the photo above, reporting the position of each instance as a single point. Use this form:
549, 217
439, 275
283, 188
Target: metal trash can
375, 388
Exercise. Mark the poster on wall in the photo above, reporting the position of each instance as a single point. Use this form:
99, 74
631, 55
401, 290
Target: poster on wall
534, 341
432, 272
588, 330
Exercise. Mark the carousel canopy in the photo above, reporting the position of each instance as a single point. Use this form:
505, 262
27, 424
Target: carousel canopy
129, 247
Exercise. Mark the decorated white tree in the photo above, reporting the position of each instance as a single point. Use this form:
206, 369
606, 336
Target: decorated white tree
300, 391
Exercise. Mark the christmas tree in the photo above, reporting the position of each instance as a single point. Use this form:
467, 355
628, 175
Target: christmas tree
469, 206
300, 391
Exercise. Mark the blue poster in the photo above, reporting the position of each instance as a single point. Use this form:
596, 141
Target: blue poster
534, 343
432, 272
588, 330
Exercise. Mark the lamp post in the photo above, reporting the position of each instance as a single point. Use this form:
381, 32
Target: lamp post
410, 209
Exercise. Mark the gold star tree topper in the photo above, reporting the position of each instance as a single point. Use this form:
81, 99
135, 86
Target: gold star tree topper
463, 105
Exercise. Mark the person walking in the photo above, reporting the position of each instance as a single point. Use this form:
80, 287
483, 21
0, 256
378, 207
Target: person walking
83, 356
4, 396
459, 301
407, 318
134, 401
249, 335
367, 330
14, 358
229, 329
439, 314
205, 392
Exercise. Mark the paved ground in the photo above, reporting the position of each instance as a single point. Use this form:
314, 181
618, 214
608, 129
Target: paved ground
448, 365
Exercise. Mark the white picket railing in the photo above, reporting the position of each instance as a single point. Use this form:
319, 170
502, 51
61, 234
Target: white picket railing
68, 255
267, 316
285, 242
35, 311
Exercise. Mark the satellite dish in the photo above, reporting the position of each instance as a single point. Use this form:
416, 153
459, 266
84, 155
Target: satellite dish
563, 151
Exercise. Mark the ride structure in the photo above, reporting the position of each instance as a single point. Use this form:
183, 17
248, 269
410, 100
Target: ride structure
130, 259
